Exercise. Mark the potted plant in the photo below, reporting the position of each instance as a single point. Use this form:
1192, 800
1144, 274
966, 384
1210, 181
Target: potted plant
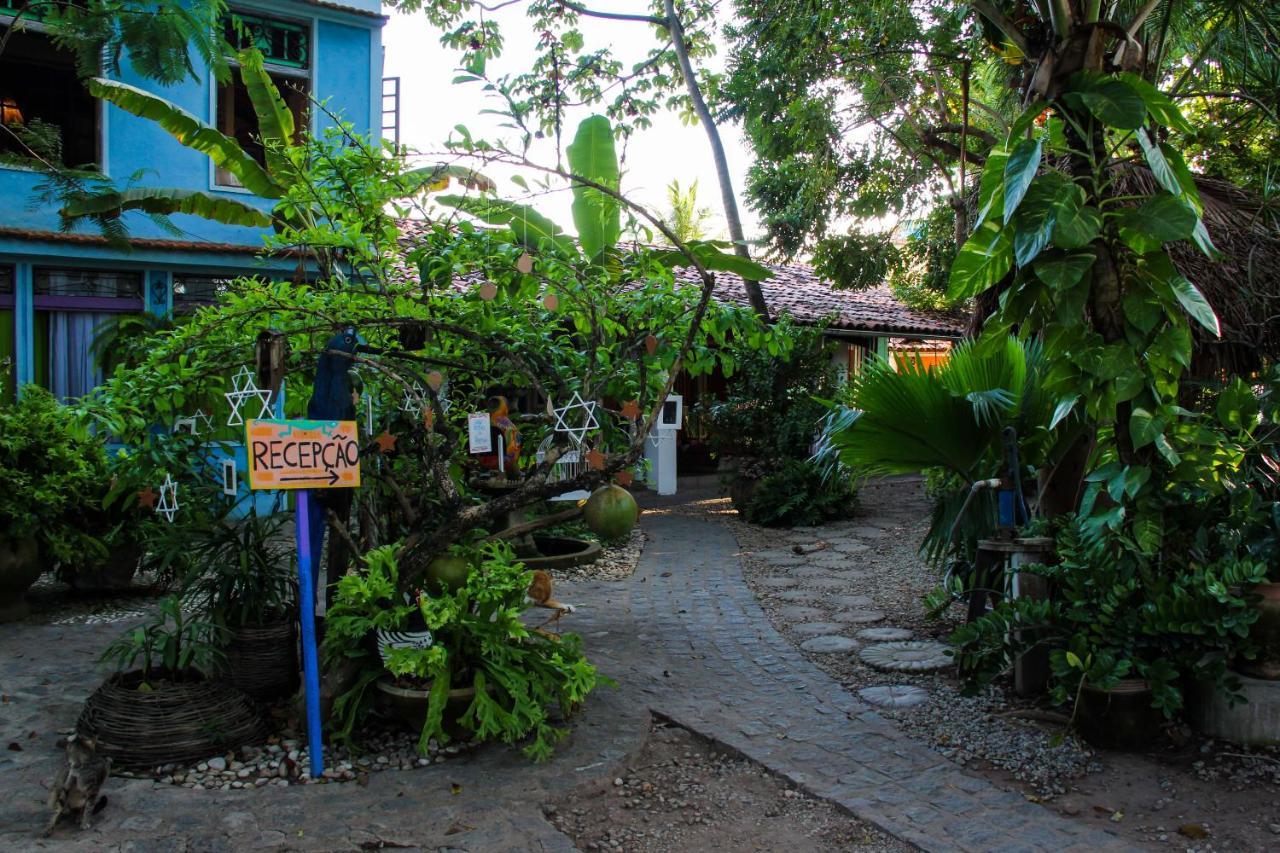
485, 675
161, 705
49, 471
241, 572
117, 520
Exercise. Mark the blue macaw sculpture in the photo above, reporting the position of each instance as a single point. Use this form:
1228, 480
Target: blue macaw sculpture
331, 397
331, 400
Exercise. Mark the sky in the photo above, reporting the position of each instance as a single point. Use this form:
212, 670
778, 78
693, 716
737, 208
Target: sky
431, 106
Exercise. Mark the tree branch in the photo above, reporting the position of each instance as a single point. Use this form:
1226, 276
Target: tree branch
611, 16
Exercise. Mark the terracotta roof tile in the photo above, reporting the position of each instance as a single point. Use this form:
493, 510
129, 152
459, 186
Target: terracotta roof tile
797, 290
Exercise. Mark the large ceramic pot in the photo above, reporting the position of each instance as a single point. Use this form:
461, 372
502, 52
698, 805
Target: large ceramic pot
263, 660
1119, 718
19, 568
409, 706
1265, 634
111, 574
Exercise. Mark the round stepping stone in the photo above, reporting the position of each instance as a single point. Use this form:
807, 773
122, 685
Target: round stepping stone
810, 572
827, 583
867, 532
907, 656
848, 600
796, 613
895, 695
805, 595
811, 629
884, 635
778, 583
829, 645
860, 617
779, 557
831, 561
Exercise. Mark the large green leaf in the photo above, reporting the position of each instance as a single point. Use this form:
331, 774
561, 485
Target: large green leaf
275, 120
1033, 225
1193, 301
163, 202
437, 177
531, 229
1076, 224
1161, 219
1161, 107
981, 262
711, 257
1113, 101
224, 151
1063, 271
1021, 168
596, 214
991, 184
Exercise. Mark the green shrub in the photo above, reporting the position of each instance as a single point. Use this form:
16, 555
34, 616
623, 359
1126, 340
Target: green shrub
50, 474
798, 494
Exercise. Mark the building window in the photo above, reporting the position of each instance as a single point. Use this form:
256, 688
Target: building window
286, 49
8, 336
196, 291
74, 311
43, 106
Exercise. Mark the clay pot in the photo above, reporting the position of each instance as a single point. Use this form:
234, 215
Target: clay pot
1119, 718
1265, 633
19, 568
111, 574
409, 706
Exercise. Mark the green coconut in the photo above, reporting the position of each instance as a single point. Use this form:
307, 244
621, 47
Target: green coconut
448, 573
610, 512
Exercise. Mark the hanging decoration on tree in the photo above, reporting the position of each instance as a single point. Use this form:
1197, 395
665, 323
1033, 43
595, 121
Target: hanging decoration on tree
551, 302
147, 498
576, 426
524, 263
630, 410
488, 291
244, 389
197, 424
168, 505
595, 460
624, 478
413, 397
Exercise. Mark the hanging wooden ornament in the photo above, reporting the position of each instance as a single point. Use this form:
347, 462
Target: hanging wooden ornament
625, 478
524, 263
630, 410
147, 498
595, 460
488, 291
551, 302
435, 379
651, 344
386, 442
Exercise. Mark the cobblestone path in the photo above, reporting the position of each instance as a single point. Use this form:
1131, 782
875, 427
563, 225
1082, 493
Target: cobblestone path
683, 637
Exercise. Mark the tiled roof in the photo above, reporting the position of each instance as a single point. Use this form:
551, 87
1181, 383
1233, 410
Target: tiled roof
135, 242
799, 291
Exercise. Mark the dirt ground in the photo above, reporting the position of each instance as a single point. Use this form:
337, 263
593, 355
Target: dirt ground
684, 794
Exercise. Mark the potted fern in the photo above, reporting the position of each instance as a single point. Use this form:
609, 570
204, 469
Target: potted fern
485, 675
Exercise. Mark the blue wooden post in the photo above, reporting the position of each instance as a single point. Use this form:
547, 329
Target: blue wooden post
307, 615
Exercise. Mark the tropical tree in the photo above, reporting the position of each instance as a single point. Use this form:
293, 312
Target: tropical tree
565, 74
858, 112
686, 217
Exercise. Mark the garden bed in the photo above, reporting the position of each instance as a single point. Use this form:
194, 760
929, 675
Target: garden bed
865, 573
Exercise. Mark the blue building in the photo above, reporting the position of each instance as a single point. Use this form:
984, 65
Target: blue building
57, 288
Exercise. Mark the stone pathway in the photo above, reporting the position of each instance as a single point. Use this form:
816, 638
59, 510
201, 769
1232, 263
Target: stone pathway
684, 638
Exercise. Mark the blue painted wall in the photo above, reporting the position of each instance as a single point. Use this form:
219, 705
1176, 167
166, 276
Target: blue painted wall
345, 72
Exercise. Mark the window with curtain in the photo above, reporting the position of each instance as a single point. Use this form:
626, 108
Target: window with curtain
74, 308
8, 336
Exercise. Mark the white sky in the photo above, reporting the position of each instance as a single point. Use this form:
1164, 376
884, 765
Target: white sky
431, 106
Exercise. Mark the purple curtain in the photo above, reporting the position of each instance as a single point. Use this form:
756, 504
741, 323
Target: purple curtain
72, 372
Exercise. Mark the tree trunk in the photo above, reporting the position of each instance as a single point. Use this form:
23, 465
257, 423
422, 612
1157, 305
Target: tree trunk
727, 197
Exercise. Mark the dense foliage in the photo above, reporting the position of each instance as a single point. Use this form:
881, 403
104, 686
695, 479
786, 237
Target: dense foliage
799, 494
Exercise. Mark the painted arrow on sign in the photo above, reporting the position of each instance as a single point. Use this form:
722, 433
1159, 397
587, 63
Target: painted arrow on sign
302, 454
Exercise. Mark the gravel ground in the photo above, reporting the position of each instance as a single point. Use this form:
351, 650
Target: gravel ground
617, 561
840, 579
684, 794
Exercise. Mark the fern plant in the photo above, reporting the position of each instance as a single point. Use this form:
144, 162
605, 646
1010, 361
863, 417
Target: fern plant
521, 677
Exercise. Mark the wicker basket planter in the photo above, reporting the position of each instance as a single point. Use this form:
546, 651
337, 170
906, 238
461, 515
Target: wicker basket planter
263, 661
173, 722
